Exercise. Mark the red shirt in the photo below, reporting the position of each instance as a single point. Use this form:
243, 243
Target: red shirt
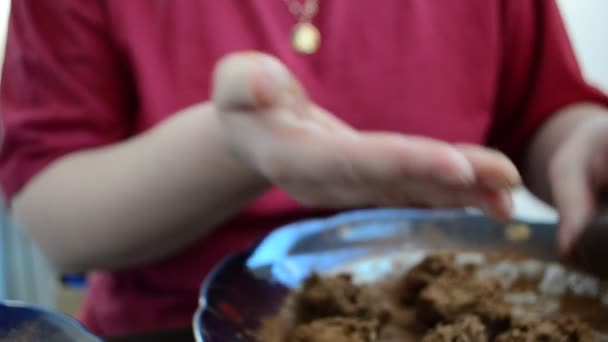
82, 74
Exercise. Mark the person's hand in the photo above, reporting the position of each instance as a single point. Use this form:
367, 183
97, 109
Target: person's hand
271, 125
578, 174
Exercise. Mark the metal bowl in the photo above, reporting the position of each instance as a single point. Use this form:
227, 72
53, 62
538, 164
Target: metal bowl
248, 286
23, 322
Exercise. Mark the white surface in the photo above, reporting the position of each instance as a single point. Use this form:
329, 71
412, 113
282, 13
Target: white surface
530, 208
4, 9
588, 28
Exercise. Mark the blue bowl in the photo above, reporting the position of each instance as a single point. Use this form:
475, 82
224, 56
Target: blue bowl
23, 322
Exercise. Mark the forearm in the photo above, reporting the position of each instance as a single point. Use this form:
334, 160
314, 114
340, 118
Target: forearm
548, 139
138, 200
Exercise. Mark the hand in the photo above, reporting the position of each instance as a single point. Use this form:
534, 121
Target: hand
271, 125
578, 172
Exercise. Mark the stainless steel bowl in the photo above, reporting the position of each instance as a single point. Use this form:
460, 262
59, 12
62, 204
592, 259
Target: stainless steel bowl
247, 286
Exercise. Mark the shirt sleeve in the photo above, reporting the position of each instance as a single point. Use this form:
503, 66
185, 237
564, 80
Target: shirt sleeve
539, 75
64, 86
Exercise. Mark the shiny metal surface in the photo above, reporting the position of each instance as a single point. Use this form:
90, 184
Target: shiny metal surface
250, 285
292, 252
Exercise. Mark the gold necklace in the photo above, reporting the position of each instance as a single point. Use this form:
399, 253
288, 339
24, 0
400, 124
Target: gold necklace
305, 37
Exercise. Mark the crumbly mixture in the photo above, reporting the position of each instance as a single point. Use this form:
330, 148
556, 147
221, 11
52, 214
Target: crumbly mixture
436, 301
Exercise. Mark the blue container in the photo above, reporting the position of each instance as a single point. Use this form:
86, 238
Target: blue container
23, 322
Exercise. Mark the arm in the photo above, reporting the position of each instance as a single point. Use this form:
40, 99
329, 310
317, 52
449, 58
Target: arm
86, 195
137, 200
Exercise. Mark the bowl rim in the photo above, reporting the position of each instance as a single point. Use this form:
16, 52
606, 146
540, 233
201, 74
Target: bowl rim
209, 280
285, 235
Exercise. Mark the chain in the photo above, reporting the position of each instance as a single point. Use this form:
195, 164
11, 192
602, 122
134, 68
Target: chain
303, 11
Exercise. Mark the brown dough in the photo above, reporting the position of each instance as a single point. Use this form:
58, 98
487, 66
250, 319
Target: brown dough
419, 277
467, 328
322, 297
436, 301
563, 329
337, 329
449, 297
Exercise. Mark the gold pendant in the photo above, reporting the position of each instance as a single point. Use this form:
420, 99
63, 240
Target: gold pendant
306, 38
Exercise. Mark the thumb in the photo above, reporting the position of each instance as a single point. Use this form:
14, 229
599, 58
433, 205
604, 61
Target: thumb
574, 199
251, 81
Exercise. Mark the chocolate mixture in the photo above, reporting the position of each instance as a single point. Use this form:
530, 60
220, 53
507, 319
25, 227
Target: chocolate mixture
436, 301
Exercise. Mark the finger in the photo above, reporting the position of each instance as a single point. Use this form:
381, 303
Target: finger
496, 204
394, 155
319, 192
411, 193
422, 194
329, 121
313, 120
598, 169
386, 170
357, 172
492, 168
573, 197
251, 81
